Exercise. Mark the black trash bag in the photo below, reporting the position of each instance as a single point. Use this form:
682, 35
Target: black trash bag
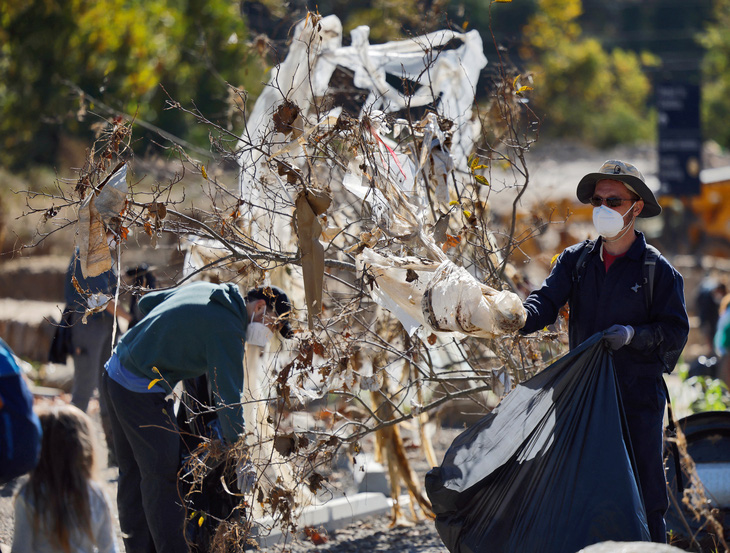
548, 470
707, 435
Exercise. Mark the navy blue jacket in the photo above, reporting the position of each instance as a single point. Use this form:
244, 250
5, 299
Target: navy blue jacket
600, 299
105, 283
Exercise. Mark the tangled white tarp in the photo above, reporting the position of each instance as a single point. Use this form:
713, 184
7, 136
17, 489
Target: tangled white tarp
442, 76
442, 69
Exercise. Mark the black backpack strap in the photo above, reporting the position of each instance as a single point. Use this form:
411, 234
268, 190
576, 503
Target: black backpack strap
672, 434
651, 256
579, 267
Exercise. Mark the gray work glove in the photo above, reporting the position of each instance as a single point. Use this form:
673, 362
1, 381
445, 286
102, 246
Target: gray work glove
245, 475
618, 336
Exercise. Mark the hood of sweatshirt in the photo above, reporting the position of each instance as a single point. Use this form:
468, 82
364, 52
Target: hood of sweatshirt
229, 296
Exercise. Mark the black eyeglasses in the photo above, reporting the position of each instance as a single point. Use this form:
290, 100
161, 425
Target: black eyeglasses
610, 202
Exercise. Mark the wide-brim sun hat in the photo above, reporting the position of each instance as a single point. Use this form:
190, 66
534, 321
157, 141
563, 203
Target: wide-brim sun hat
614, 169
277, 300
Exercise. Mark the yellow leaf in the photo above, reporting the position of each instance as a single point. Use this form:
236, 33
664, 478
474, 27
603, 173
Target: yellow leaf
482, 179
514, 83
465, 25
552, 261
202, 170
478, 167
453, 202
201, 520
523, 89
467, 213
502, 1
156, 380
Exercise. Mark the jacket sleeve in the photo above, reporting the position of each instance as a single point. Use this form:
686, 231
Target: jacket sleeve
23, 531
544, 304
103, 527
225, 374
666, 335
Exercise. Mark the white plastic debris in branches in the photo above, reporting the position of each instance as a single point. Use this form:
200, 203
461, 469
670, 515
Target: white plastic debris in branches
435, 160
292, 81
442, 297
113, 194
392, 211
95, 214
399, 285
442, 67
454, 301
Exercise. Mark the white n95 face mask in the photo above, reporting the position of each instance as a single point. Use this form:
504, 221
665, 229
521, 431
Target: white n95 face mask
608, 222
258, 334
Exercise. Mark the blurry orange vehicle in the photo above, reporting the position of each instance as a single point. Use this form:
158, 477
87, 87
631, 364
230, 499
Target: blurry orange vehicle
699, 225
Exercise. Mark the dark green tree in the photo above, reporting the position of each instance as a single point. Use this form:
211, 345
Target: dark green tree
128, 54
716, 75
581, 90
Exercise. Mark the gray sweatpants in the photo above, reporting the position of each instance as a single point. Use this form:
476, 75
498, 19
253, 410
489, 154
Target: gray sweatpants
91, 347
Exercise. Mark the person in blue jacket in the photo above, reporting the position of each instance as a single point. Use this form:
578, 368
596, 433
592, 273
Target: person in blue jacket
186, 332
20, 428
603, 282
91, 341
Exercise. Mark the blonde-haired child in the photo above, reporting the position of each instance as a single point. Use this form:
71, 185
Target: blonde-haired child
61, 508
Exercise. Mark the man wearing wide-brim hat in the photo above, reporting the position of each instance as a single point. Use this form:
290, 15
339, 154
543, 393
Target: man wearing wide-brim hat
606, 285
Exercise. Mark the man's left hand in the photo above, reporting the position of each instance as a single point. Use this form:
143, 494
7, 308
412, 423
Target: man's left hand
618, 336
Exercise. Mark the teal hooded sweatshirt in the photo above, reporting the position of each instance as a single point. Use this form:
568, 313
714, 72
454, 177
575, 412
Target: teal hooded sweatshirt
189, 331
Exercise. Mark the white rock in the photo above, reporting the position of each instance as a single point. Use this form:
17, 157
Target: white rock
629, 547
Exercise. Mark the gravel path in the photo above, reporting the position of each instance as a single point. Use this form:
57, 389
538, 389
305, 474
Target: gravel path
374, 535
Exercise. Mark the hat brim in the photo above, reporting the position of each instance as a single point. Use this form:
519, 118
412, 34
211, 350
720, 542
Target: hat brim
587, 186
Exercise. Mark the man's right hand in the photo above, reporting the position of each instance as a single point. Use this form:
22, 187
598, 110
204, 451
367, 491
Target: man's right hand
245, 475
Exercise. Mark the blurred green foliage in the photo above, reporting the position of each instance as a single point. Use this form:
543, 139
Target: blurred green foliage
716, 75
583, 91
129, 54
591, 62
712, 394
385, 18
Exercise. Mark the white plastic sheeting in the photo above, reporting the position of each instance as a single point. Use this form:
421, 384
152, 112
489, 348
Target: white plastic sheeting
441, 297
444, 76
